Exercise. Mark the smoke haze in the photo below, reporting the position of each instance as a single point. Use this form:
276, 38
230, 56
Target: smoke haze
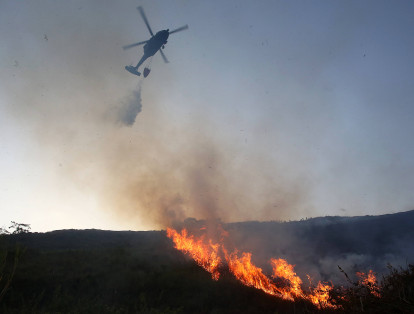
273, 119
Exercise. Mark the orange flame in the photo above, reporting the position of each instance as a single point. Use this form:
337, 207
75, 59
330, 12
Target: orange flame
207, 255
250, 275
320, 296
370, 281
282, 269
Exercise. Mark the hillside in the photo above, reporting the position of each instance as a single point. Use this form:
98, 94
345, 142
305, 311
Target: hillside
316, 246
126, 271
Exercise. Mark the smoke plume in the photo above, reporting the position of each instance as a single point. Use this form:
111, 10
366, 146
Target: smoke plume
158, 172
177, 162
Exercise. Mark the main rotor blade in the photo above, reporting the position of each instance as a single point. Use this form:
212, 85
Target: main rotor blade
134, 45
144, 17
163, 56
179, 29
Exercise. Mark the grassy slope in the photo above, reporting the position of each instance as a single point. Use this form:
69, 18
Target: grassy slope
110, 272
119, 272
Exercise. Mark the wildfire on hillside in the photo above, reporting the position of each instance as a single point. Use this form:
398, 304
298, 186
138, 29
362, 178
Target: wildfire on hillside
284, 283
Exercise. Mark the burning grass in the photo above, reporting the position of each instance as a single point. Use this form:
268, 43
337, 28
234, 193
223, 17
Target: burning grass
205, 255
393, 294
284, 283
140, 272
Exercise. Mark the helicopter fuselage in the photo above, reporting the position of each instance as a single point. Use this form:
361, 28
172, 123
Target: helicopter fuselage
152, 46
155, 43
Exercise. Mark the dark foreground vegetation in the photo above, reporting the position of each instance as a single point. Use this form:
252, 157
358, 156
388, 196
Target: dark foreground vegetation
93, 271
120, 272
394, 294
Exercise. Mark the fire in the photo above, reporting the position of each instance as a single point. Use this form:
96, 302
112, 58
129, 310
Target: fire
205, 255
282, 269
370, 281
320, 296
285, 283
249, 274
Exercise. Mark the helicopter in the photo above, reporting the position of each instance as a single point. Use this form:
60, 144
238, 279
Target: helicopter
152, 45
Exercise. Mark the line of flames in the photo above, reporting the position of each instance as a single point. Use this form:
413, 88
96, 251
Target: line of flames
211, 256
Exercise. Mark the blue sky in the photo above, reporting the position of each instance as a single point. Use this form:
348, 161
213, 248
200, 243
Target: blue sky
270, 110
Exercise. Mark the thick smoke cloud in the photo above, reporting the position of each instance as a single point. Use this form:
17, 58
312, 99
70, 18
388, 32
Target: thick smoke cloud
194, 177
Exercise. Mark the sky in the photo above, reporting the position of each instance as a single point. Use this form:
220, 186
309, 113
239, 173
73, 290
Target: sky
269, 110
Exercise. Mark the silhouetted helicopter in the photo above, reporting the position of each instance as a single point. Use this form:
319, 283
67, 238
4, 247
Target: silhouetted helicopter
152, 45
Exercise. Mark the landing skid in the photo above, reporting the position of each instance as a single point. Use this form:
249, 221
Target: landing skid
132, 70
